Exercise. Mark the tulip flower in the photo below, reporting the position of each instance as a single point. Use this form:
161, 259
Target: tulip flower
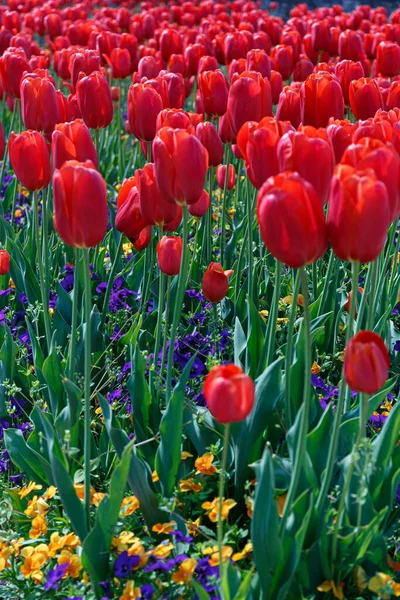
340, 134
13, 65
170, 43
249, 99
39, 105
169, 254
192, 54
129, 220
148, 67
302, 69
322, 98
366, 362
209, 137
175, 89
393, 98
144, 105
276, 86
87, 62
72, 141
291, 220
388, 59
213, 88
359, 215
229, 393
348, 303
4, 262
153, 208
215, 282
236, 45
221, 176
365, 97
350, 45
120, 61
80, 204
347, 71
299, 152
94, 100
202, 205
258, 145
320, 35
284, 58
175, 118
258, 60
207, 63
30, 159
181, 163
289, 106
142, 241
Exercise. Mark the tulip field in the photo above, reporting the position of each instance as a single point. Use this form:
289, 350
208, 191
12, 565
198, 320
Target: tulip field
199, 301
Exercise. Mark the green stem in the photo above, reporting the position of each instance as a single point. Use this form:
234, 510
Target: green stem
327, 278
5, 157
372, 295
119, 133
148, 274
216, 339
160, 310
352, 316
272, 317
224, 204
111, 278
45, 299
209, 214
45, 241
289, 351
74, 320
88, 354
166, 325
97, 138
178, 302
302, 443
315, 280
220, 525
14, 204
395, 266
249, 239
148, 151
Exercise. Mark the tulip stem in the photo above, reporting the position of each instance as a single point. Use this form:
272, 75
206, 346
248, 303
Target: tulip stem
315, 280
148, 151
215, 315
224, 204
249, 239
352, 315
14, 203
220, 525
111, 278
208, 228
5, 157
45, 241
273, 314
179, 299
45, 298
160, 311
88, 354
395, 263
372, 294
289, 351
167, 306
97, 138
74, 320
300, 451
334, 439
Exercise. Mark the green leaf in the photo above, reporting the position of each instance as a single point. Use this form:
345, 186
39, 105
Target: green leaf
200, 591
168, 457
255, 338
382, 450
244, 588
96, 546
140, 396
27, 460
68, 418
51, 370
239, 342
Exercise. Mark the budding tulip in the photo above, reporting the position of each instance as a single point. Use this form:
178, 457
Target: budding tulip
229, 393
359, 215
347, 71
80, 204
169, 254
322, 98
340, 134
276, 86
175, 118
4, 262
249, 99
388, 59
284, 58
72, 141
258, 60
221, 176
30, 159
215, 282
181, 163
120, 60
144, 105
39, 106
170, 43
153, 208
365, 97
192, 54
202, 205
213, 88
291, 220
289, 106
94, 100
13, 65
129, 219
209, 137
348, 303
366, 362
258, 144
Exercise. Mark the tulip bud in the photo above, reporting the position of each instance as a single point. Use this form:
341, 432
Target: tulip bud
388, 59
144, 105
249, 99
120, 60
322, 98
80, 204
213, 88
30, 159
366, 362
153, 208
221, 176
340, 134
72, 141
13, 65
289, 106
348, 303
365, 97
291, 219
39, 106
4, 262
209, 137
129, 220
202, 205
258, 145
258, 60
169, 254
215, 282
229, 393
347, 71
94, 100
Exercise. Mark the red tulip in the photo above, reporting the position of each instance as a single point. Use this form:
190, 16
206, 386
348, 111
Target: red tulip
215, 282
350, 45
366, 362
365, 97
207, 63
144, 105
320, 35
322, 98
175, 118
169, 254
209, 137
258, 144
300, 152
340, 134
13, 65
229, 393
284, 58
276, 86
39, 105
181, 163
120, 60
202, 205
213, 88
80, 204
359, 215
289, 106
291, 220
249, 99
175, 89
87, 62
302, 69
141, 241
192, 54
4, 262
393, 99
347, 71
94, 100
148, 67
177, 64
72, 141
170, 43
237, 45
388, 59
221, 176
53, 24
153, 208
348, 303
30, 159
258, 60
129, 219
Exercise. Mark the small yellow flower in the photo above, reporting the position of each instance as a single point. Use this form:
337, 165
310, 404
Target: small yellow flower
330, 586
129, 505
127, 248
281, 503
185, 571
51, 312
163, 550
212, 508
204, 464
5, 554
18, 213
248, 549
118, 186
124, 540
39, 527
74, 563
50, 492
185, 455
164, 527
190, 485
360, 578
80, 491
154, 476
341, 356
12, 286
97, 498
193, 527
213, 551
130, 591
315, 369
34, 559
25, 491
384, 586
231, 212
36, 506
264, 314
250, 506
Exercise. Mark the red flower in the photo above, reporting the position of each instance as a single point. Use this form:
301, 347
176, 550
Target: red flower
94, 100
169, 254
366, 362
209, 137
213, 88
129, 220
365, 97
30, 159
215, 282
72, 141
249, 99
13, 64
153, 208
221, 176
322, 98
229, 393
4, 262
144, 106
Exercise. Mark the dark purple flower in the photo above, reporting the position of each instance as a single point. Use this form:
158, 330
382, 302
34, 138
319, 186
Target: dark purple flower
124, 564
54, 576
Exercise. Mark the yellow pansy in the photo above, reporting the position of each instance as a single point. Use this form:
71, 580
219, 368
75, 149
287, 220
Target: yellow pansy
204, 464
212, 508
129, 505
193, 527
248, 549
74, 563
185, 571
163, 550
130, 591
190, 485
36, 506
25, 491
39, 527
330, 586
164, 527
213, 552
